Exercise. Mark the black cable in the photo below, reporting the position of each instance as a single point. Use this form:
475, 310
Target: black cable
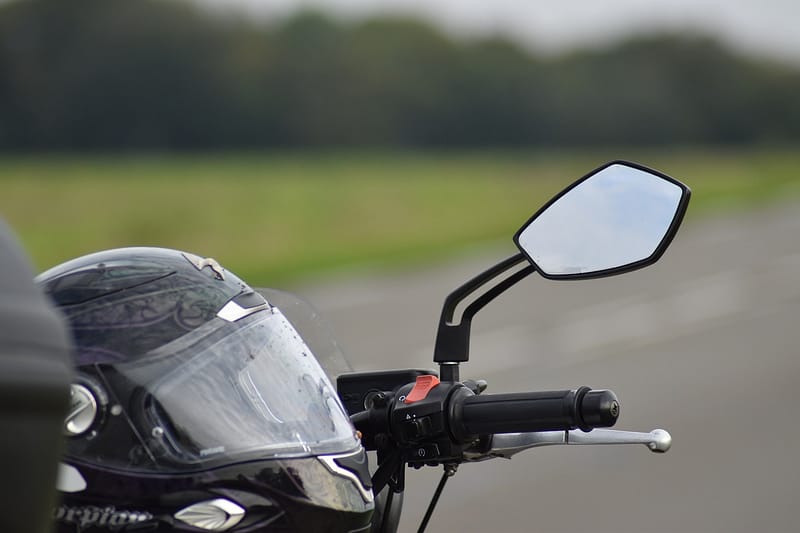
434, 500
387, 509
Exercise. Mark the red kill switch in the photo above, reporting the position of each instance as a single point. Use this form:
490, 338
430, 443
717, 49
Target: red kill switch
421, 388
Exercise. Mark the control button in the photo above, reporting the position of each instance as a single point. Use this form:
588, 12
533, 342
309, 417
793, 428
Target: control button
418, 427
425, 452
422, 387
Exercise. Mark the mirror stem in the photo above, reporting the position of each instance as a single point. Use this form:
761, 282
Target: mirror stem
449, 372
458, 295
452, 340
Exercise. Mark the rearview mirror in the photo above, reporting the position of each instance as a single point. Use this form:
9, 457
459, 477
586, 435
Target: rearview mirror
618, 218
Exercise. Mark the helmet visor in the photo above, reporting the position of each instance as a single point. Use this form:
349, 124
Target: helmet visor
232, 391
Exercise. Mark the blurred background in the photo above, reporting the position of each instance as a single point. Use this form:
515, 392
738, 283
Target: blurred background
372, 155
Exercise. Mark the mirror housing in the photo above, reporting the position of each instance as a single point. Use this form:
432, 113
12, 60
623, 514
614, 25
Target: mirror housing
453, 335
620, 217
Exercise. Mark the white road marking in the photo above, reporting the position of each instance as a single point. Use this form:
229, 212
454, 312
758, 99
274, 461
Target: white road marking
707, 298
595, 331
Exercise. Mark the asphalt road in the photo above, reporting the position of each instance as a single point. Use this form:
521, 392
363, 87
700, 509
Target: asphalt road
706, 344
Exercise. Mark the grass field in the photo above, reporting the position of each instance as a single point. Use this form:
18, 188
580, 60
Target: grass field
279, 218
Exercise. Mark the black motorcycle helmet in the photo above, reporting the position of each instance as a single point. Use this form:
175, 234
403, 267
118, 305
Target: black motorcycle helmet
197, 405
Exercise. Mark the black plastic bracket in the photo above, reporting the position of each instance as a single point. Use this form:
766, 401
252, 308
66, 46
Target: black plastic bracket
452, 339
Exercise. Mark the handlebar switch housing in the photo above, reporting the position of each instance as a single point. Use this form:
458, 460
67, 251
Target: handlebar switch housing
421, 427
357, 389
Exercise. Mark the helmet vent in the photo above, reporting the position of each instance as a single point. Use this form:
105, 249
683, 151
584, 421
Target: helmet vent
212, 515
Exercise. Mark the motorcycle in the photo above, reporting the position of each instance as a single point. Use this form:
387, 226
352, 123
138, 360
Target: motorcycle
618, 218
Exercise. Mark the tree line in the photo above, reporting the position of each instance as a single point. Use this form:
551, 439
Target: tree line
149, 74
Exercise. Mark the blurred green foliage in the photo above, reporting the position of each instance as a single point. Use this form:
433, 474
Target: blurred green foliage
280, 218
147, 74
157, 76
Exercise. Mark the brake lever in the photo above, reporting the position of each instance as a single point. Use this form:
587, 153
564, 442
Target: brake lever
657, 441
509, 444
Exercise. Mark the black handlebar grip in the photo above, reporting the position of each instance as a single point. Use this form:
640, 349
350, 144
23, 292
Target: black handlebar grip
535, 411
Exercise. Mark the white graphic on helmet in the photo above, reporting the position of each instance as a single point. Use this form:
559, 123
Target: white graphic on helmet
69, 479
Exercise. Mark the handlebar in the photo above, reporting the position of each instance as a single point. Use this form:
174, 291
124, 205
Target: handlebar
434, 424
581, 408
452, 422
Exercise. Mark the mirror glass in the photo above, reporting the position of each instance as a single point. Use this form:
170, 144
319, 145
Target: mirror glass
614, 218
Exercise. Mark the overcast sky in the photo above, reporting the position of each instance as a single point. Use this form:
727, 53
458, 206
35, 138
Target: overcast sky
762, 27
